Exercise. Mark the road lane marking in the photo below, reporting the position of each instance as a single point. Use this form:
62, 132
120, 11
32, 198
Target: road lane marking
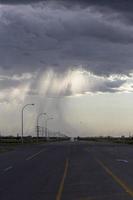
118, 195
78, 184
121, 160
59, 194
34, 155
8, 168
116, 178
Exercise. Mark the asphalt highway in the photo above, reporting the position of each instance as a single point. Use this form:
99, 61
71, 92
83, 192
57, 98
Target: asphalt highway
67, 171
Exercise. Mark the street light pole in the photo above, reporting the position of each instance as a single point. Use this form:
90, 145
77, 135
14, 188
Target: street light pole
37, 127
22, 118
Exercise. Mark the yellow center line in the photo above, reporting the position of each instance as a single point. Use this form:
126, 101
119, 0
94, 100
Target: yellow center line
59, 194
116, 178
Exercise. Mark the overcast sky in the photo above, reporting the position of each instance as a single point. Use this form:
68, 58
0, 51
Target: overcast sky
73, 59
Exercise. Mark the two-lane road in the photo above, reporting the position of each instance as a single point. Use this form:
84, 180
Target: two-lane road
67, 171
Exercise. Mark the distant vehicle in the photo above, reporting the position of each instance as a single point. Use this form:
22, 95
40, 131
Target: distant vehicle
72, 139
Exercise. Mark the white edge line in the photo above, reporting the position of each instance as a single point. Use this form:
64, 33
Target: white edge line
34, 155
8, 168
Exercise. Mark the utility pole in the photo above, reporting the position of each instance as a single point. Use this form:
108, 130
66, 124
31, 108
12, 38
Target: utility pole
42, 131
46, 129
37, 127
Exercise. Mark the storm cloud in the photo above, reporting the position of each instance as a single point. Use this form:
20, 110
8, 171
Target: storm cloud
37, 36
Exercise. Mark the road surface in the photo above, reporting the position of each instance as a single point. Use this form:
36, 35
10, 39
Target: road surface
67, 171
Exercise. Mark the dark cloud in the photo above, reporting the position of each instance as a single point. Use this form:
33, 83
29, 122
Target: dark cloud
48, 36
120, 5
38, 38
19, 1
125, 6
112, 3
108, 86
